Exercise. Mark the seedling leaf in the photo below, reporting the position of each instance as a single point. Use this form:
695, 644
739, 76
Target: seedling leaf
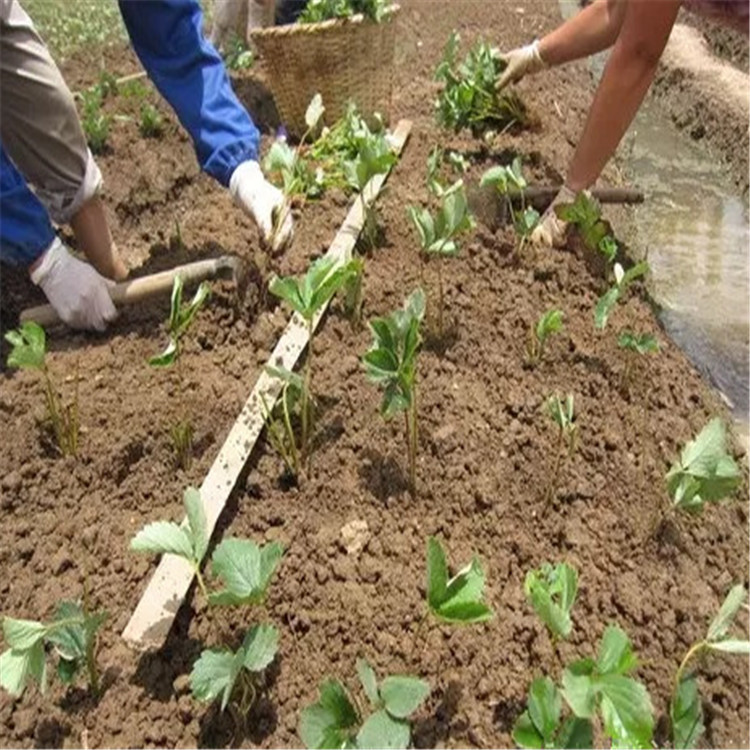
552, 592
626, 711
260, 646
29, 346
731, 646
314, 112
324, 724
18, 666
214, 675
196, 522
578, 689
686, 714
615, 652
163, 537
403, 695
382, 732
525, 733
21, 635
369, 681
576, 733
545, 705
720, 625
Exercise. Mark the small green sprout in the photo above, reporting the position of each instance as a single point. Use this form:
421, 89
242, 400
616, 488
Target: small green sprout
469, 97
29, 352
151, 124
438, 235
550, 322
539, 725
308, 296
237, 55
636, 345
96, 124
353, 293
391, 363
279, 418
181, 318
686, 711
234, 676
585, 213
623, 279
335, 720
552, 591
457, 599
107, 85
72, 634
435, 159
316, 11
603, 686
705, 471
374, 156
563, 415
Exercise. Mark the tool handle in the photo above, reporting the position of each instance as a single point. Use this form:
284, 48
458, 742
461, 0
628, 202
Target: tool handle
136, 290
543, 195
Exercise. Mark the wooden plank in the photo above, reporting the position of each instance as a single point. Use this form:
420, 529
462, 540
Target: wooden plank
153, 616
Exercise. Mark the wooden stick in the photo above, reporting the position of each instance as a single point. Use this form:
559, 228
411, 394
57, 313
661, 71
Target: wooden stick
155, 612
542, 195
137, 290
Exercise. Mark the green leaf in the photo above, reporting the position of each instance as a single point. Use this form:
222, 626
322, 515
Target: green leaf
686, 715
196, 522
288, 290
260, 646
626, 711
576, 733
578, 689
29, 346
382, 732
369, 681
168, 357
67, 669
70, 637
163, 537
615, 652
314, 112
545, 705
17, 667
187, 313
731, 646
525, 733
175, 302
437, 573
403, 695
604, 307
720, 625
214, 674
244, 569
324, 724
21, 635
552, 592
634, 272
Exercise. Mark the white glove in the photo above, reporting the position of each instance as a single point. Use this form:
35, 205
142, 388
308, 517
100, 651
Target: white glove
264, 202
78, 293
520, 62
551, 231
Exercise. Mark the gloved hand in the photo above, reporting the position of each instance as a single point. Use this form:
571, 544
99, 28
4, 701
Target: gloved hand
78, 293
551, 231
264, 202
520, 62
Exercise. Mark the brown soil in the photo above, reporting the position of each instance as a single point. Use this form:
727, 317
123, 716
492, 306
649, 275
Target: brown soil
486, 452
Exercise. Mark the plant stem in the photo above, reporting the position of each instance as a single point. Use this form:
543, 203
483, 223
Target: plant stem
411, 432
556, 470
199, 578
290, 433
53, 409
306, 421
440, 298
694, 649
90, 640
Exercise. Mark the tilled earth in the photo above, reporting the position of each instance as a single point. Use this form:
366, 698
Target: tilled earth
485, 461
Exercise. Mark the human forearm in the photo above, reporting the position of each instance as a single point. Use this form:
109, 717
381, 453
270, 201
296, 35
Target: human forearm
592, 30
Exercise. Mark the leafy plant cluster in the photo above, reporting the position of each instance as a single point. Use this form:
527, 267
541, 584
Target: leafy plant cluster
316, 11
469, 97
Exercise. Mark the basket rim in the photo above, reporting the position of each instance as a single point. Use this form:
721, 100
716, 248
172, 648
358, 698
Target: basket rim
291, 29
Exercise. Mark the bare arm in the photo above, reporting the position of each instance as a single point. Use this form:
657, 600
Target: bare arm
627, 77
592, 30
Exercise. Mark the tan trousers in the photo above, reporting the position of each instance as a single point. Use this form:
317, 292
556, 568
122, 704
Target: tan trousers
39, 125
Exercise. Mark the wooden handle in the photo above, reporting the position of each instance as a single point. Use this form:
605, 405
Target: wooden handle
136, 290
542, 195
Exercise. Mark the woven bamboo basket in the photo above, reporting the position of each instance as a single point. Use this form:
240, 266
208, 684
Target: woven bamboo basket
342, 59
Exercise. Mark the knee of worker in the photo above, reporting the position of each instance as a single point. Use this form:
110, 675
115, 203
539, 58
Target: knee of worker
64, 203
230, 21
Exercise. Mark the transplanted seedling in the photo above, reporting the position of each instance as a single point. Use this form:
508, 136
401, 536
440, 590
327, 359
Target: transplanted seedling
585, 213
623, 279
438, 235
686, 711
705, 471
181, 318
469, 98
509, 182
235, 676
307, 296
549, 323
635, 346
563, 415
336, 720
434, 165
552, 591
456, 600
72, 634
151, 124
541, 724
316, 11
353, 293
603, 687
391, 363
29, 352
95, 122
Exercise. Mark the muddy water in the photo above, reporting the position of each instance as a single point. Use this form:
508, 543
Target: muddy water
694, 228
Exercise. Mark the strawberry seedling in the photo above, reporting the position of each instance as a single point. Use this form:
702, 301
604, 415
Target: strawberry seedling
586, 215
29, 352
685, 710
705, 472
552, 591
469, 97
353, 293
95, 122
549, 323
307, 296
316, 11
237, 55
335, 720
181, 318
391, 363
539, 726
563, 415
72, 635
635, 346
456, 600
438, 235
435, 160
151, 124
623, 279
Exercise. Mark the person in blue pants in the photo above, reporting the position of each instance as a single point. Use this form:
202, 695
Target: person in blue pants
186, 69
